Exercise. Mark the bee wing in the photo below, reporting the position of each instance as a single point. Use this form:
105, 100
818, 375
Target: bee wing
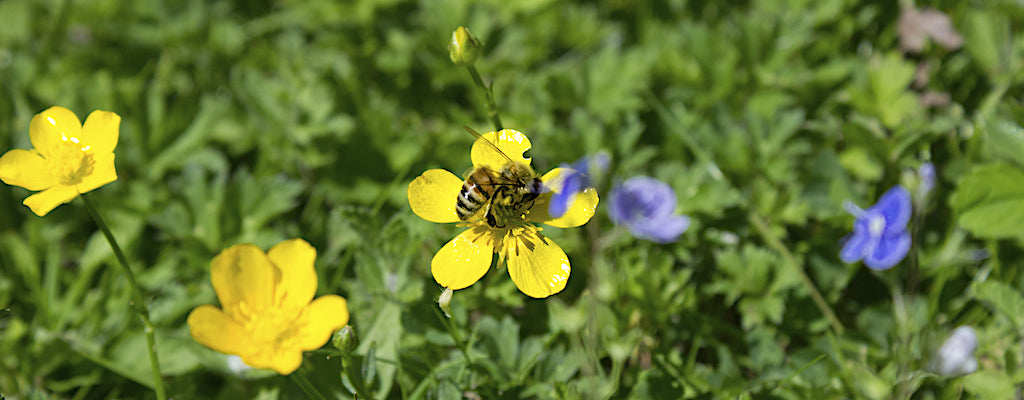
497, 149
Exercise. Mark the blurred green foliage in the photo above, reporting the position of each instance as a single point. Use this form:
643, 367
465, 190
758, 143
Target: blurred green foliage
256, 121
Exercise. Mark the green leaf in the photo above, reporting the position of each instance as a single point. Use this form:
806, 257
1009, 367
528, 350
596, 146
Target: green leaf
1003, 139
15, 21
861, 164
1003, 298
989, 384
382, 344
986, 35
990, 201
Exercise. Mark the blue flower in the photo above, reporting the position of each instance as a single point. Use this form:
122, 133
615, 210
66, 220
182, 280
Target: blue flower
645, 206
575, 182
880, 234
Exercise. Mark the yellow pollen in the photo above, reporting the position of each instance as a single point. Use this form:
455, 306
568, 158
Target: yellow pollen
72, 162
268, 328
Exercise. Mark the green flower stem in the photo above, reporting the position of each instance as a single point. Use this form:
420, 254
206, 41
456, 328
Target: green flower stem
492, 107
762, 228
349, 374
138, 301
300, 379
453, 330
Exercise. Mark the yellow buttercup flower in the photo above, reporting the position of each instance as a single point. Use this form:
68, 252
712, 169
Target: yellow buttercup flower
67, 158
266, 316
536, 264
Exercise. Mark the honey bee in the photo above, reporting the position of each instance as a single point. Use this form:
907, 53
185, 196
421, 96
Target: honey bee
505, 194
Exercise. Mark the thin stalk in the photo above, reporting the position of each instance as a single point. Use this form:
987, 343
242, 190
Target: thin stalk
348, 373
300, 379
762, 228
899, 305
991, 100
453, 331
138, 302
492, 107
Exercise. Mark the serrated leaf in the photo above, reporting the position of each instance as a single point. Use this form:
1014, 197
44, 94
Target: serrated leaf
1003, 139
990, 201
1002, 298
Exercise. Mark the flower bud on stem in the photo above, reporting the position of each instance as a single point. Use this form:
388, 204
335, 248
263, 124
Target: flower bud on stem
463, 50
464, 47
345, 339
445, 302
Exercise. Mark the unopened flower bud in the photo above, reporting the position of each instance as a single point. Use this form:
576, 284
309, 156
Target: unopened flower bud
956, 356
926, 179
464, 47
345, 339
445, 302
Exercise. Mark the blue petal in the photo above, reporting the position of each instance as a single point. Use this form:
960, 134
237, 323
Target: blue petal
860, 225
645, 206
662, 231
561, 201
583, 165
620, 205
896, 207
889, 252
854, 248
652, 198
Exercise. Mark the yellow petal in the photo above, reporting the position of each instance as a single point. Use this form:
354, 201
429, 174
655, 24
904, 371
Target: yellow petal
294, 258
282, 361
43, 202
536, 264
465, 259
243, 273
212, 328
52, 127
432, 196
319, 320
511, 142
103, 172
581, 210
26, 169
100, 131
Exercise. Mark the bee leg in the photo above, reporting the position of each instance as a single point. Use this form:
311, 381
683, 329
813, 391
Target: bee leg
489, 216
491, 221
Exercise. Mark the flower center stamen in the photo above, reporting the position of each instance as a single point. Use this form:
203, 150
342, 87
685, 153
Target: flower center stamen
73, 161
270, 325
876, 225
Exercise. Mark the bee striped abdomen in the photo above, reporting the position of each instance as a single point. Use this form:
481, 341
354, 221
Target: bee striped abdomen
476, 191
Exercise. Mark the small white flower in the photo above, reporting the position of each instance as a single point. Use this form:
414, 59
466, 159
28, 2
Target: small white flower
956, 356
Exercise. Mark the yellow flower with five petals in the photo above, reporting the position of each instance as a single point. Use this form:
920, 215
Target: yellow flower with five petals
266, 316
67, 159
536, 264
